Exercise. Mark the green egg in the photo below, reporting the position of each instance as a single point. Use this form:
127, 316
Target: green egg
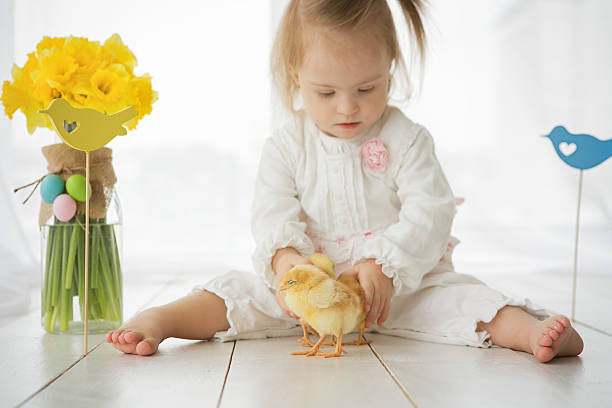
75, 187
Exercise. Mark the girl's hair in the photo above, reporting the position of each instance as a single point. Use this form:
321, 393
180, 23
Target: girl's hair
346, 15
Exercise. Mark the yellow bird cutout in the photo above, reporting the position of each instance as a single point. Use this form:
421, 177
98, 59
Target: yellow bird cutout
86, 129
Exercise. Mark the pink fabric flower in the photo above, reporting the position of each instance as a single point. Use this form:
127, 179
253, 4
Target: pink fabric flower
374, 155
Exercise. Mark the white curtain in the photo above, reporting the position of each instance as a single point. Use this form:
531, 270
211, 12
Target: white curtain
498, 75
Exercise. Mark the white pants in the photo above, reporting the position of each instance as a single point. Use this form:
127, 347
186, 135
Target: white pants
445, 309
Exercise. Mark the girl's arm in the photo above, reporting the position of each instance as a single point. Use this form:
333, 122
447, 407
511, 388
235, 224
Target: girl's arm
411, 247
276, 209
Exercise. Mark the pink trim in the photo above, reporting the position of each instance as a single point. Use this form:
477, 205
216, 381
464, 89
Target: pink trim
340, 240
367, 234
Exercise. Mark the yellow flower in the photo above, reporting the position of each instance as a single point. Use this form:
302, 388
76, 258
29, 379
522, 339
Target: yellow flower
48, 43
19, 95
13, 98
109, 84
115, 52
56, 68
86, 54
45, 93
80, 89
142, 96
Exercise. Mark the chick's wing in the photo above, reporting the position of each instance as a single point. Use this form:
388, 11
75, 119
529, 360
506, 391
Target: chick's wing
327, 294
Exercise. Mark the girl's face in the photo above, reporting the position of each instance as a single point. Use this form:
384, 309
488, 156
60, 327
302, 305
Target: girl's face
344, 82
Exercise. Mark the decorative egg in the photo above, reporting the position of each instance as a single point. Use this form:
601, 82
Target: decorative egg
50, 187
75, 186
64, 207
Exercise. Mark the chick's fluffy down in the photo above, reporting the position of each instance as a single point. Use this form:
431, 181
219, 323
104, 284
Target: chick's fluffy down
326, 304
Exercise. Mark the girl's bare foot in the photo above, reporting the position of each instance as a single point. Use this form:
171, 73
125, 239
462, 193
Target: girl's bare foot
140, 335
554, 336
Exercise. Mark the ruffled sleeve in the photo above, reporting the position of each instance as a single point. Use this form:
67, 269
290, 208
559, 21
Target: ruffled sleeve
276, 213
411, 247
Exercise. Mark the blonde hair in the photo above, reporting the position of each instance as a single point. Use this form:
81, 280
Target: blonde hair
290, 44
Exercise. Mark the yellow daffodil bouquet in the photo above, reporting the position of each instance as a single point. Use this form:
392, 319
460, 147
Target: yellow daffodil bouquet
86, 75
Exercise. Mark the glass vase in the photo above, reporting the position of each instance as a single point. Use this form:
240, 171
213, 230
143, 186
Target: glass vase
63, 270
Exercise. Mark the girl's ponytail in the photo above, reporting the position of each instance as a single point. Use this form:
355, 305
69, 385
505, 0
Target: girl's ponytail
413, 10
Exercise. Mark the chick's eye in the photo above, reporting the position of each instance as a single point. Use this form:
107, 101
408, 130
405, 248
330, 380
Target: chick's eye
291, 282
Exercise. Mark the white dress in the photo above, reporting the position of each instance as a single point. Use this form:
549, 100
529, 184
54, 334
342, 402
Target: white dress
317, 193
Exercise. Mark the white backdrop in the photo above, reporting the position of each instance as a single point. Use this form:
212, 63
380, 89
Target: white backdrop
498, 75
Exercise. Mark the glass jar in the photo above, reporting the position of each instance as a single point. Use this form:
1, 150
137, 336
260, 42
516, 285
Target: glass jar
63, 270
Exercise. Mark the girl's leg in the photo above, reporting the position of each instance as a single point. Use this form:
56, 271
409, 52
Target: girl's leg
514, 328
197, 316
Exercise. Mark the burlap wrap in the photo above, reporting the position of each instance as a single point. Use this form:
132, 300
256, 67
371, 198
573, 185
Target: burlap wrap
65, 161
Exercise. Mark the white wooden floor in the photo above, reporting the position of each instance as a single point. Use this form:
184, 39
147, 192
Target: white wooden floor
38, 369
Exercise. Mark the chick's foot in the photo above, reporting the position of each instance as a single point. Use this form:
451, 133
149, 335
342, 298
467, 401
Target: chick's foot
330, 342
339, 349
305, 341
360, 341
313, 351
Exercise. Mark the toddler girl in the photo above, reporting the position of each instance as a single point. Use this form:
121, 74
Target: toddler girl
352, 177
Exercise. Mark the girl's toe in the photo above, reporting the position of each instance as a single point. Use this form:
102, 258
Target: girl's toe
554, 334
564, 321
544, 354
116, 334
109, 337
121, 338
545, 340
147, 346
125, 348
133, 337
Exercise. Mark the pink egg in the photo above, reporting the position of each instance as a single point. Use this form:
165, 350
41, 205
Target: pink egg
64, 207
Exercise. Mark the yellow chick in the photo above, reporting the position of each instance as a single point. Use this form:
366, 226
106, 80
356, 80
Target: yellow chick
327, 265
86, 129
354, 285
327, 305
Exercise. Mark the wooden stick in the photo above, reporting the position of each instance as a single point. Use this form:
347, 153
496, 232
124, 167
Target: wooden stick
85, 327
576, 250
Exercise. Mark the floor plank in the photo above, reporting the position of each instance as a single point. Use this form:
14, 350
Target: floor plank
439, 375
264, 374
31, 357
183, 370
183, 373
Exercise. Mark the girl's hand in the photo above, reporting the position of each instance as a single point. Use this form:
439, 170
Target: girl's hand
282, 262
378, 290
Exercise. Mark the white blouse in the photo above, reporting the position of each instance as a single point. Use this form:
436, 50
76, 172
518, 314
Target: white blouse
314, 193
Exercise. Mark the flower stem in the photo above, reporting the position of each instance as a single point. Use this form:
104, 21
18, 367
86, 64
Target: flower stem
107, 283
71, 255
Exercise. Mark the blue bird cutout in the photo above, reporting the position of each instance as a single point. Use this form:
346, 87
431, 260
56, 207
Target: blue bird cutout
579, 151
